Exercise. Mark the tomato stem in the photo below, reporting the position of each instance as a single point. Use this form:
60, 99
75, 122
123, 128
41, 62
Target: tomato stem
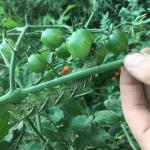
75, 76
89, 20
22, 93
13, 60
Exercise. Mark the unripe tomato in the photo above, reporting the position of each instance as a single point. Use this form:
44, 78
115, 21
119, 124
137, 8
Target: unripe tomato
79, 43
37, 63
62, 51
49, 75
47, 55
52, 38
117, 41
6, 51
100, 53
65, 70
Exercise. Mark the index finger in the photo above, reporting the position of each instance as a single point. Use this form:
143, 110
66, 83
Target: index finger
135, 108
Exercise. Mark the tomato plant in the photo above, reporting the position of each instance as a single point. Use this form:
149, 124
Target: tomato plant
79, 43
117, 41
52, 38
37, 63
66, 95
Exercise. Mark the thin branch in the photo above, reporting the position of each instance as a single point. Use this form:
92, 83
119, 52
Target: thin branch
35, 33
37, 132
89, 20
26, 20
82, 94
13, 60
35, 129
22, 93
59, 98
43, 105
74, 76
49, 26
20, 137
54, 70
20, 84
72, 94
31, 45
12, 73
3, 66
38, 33
22, 34
38, 121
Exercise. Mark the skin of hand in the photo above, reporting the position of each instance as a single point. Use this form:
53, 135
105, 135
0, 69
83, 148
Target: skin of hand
135, 95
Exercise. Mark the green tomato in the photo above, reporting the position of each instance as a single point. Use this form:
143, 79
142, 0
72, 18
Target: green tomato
47, 55
6, 51
79, 43
100, 53
52, 38
37, 63
117, 41
49, 75
62, 51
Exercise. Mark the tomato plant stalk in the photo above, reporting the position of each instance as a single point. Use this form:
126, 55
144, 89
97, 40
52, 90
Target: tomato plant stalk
20, 94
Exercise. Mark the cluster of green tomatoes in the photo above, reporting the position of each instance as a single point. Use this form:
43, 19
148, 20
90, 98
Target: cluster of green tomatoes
78, 45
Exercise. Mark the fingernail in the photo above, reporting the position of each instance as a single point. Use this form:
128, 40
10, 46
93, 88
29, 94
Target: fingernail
133, 60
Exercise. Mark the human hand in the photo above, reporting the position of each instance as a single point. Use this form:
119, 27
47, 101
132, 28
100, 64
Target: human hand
135, 95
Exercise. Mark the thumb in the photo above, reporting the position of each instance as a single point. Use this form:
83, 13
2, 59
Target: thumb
138, 65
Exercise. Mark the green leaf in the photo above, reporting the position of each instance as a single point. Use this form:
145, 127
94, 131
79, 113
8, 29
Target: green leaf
56, 115
106, 117
71, 148
72, 107
81, 123
30, 146
3, 122
113, 104
69, 135
99, 137
9, 23
50, 132
59, 146
35, 146
96, 138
